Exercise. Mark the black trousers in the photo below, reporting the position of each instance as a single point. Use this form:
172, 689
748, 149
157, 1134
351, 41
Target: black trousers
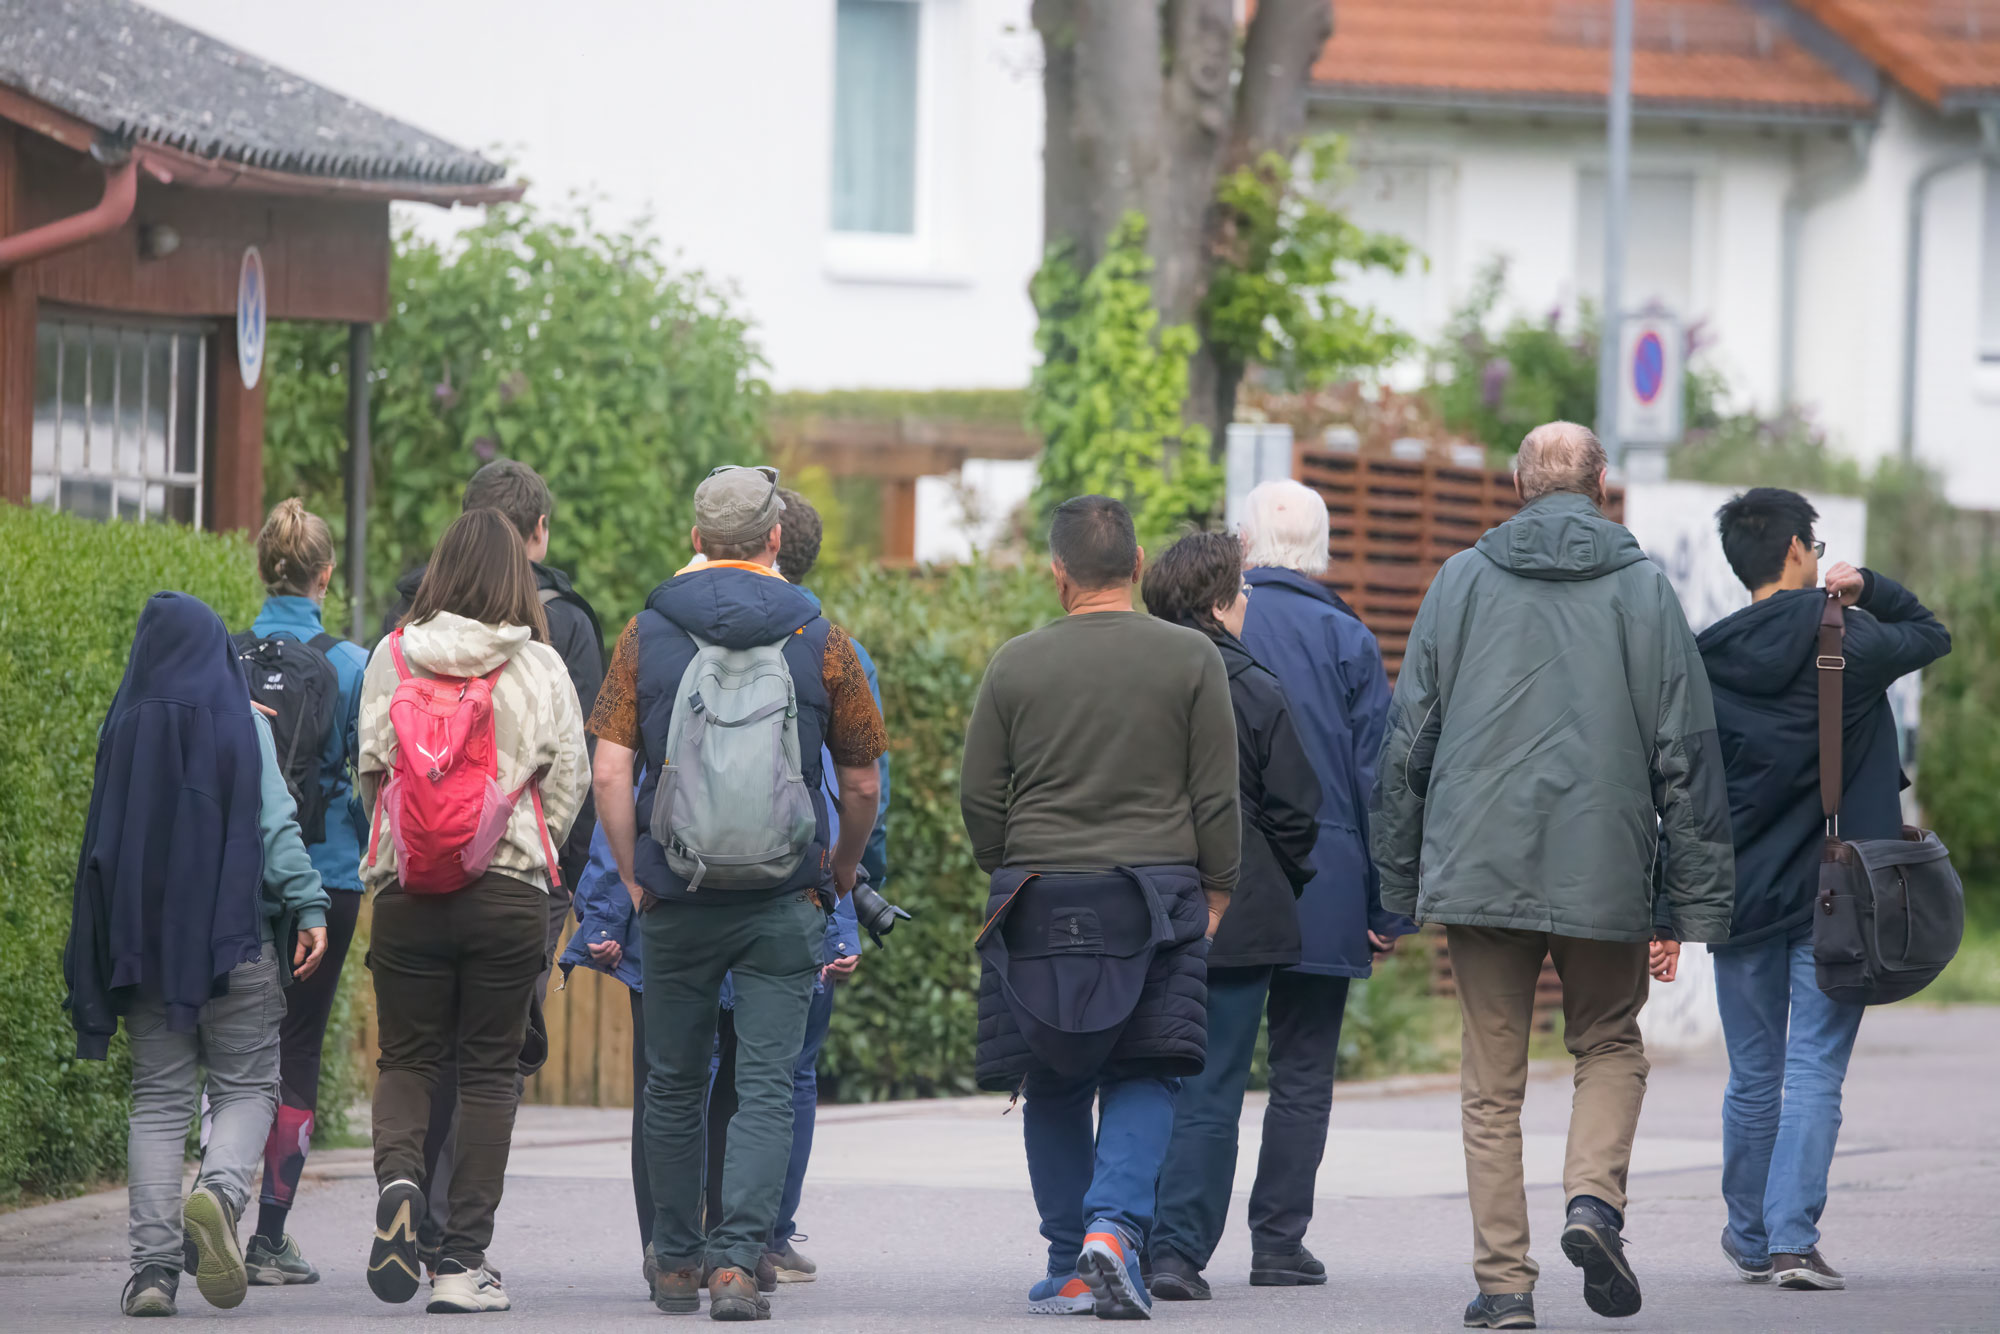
301, 1042
642, 1180
1305, 1011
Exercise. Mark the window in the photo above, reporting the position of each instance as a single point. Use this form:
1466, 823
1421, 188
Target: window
1659, 240
1989, 272
119, 420
875, 116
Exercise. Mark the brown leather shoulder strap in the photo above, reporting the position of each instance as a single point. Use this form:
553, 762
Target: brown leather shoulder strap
1832, 662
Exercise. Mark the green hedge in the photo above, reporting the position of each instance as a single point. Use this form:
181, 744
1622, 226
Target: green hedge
68, 605
904, 1027
1959, 755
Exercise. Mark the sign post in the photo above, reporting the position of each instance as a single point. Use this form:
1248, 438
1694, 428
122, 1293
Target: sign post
250, 317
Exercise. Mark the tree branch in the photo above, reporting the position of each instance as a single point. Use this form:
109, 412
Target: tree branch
1285, 40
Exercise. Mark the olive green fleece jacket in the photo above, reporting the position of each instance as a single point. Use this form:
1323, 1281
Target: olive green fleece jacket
1552, 735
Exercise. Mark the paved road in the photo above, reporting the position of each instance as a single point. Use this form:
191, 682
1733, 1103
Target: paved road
921, 1220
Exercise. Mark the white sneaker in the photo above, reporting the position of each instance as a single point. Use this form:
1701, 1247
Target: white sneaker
460, 1291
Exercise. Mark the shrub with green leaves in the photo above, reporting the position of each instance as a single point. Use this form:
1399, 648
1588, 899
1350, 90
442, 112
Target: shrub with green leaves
1959, 763
581, 352
68, 606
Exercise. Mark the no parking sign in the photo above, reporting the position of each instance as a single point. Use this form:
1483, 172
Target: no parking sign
1650, 369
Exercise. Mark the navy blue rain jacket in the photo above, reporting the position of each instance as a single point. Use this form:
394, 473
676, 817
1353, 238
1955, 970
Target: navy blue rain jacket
1761, 666
169, 882
1331, 669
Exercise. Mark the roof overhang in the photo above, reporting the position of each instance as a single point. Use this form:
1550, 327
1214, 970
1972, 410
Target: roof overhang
1584, 107
174, 166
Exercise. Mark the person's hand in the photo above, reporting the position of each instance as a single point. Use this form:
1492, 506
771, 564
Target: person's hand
642, 901
1845, 583
308, 952
606, 952
842, 967
1380, 945
264, 709
1663, 959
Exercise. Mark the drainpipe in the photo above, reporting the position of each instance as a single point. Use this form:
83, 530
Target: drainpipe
1988, 150
121, 192
1806, 194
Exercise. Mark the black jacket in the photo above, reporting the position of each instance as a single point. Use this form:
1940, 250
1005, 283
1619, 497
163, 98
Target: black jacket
575, 633
1761, 664
1280, 819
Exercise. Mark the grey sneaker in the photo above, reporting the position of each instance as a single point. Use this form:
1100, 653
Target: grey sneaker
393, 1267
1807, 1271
209, 1225
791, 1266
151, 1291
1501, 1310
276, 1266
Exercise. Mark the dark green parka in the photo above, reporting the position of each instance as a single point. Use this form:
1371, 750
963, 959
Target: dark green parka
1552, 732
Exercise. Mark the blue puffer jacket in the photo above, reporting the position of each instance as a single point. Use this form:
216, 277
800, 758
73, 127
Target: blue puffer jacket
1331, 669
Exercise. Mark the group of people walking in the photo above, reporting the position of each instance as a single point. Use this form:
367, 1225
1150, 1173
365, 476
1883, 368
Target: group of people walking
1200, 820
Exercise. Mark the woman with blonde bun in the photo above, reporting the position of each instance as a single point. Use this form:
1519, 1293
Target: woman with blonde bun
312, 680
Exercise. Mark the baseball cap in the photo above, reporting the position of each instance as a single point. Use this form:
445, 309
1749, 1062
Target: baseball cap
737, 504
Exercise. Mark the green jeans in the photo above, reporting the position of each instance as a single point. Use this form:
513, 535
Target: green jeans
774, 949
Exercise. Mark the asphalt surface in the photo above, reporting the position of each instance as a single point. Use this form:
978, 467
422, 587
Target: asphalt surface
920, 1217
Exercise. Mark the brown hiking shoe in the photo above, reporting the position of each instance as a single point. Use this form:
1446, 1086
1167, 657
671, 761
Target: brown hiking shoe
677, 1290
733, 1295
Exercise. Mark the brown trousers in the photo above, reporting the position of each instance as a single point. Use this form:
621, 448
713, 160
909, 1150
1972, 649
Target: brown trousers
1604, 987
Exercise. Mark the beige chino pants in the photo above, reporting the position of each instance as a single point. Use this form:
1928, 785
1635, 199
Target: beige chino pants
1604, 987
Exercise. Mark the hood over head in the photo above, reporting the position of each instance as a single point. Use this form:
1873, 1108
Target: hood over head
1760, 649
181, 654
448, 644
738, 608
1560, 537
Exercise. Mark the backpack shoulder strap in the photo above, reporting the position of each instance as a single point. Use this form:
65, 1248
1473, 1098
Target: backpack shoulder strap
548, 595
1830, 666
323, 643
396, 653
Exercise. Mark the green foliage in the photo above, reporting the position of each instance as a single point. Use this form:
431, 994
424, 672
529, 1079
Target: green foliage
984, 407
575, 350
68, 606
1959, 762
905, 1025
1392, 1018
1107, 396
1495, 386
1273, 297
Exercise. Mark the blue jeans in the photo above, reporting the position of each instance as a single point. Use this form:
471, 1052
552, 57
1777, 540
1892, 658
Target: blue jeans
1079, 1178
1788, 1050
1200, 1168
805, 1105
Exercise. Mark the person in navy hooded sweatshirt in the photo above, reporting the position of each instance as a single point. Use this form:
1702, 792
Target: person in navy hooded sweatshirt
192, 887
1331, 669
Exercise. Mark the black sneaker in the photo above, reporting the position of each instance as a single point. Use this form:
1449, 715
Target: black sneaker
1807, 1271
151, 1291
1177, 1280
1746, 1269
1297, 1270
1501, 1310
394, 1272
1590, 1239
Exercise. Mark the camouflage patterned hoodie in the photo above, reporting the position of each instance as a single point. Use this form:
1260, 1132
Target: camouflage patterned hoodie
537, 729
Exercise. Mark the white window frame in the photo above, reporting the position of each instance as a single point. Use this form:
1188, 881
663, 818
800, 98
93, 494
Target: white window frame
201, 336
928, 256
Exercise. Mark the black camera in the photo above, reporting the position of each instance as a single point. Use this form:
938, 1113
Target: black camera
877, 916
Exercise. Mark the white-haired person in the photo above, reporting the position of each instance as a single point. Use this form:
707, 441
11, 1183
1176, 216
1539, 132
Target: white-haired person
1331, 669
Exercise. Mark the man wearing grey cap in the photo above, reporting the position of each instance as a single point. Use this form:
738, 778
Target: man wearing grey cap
729, 683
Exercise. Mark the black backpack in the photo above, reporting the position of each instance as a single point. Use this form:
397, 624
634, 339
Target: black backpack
296, 680
1890, 912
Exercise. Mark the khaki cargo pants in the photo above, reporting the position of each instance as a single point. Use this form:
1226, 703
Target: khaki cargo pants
1604, 987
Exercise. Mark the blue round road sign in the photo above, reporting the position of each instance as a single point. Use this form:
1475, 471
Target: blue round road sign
1649, 367
250, 317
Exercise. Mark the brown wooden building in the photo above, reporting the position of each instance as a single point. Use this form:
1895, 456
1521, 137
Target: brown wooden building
140, 162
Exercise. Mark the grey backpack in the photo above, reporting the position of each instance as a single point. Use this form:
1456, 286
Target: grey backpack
732, 809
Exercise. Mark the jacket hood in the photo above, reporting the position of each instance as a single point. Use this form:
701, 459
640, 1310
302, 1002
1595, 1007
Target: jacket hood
453, 645
181, 654
732, 606
1759, 650
1278, 576
1560, 537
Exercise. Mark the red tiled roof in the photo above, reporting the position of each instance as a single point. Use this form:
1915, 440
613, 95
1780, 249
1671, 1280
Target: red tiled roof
1938, 49
1708, 54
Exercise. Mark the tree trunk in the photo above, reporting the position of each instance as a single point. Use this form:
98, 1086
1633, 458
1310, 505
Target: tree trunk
1141, 116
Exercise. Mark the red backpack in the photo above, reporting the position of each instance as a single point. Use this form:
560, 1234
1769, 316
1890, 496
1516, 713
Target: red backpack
446, 811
